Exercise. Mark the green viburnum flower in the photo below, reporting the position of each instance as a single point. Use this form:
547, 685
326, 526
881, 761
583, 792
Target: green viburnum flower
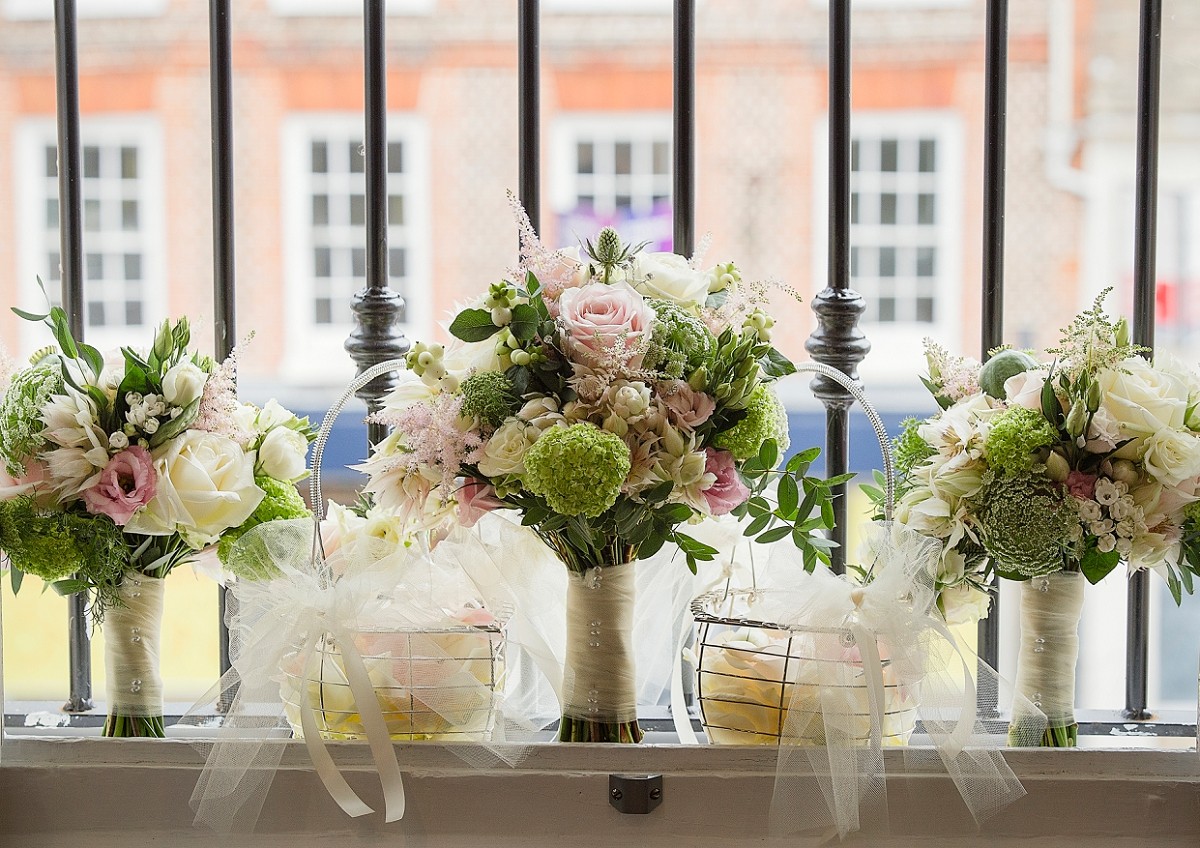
282, 503
681, 342
909, 448
489, 396
765, 419
20, 413
1015, 437
55, 545
578, 469
1025, 524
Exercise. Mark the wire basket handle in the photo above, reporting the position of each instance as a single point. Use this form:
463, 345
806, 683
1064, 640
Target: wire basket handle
314, 485
885, 445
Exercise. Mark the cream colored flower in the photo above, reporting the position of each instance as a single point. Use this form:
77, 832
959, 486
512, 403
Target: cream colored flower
504, 453
1172, 456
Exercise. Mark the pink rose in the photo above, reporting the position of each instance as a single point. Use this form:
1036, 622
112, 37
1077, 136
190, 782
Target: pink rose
728, 491
1081, 485
687, 408
605, 320
126, 484
475, 500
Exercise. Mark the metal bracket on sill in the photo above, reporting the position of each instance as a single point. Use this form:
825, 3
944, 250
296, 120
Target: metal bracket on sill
635, 794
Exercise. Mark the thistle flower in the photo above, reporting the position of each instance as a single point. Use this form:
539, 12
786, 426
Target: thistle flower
598, 463
765, 419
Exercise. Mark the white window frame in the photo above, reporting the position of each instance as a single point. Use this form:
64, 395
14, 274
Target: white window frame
572, 127
30, 140
43, 10
608, 7
903, 340
314, 354
346, 8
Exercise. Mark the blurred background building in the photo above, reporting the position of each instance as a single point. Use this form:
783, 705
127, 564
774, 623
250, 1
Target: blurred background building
606, 101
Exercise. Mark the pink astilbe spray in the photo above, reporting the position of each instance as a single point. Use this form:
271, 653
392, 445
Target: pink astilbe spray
433, 437
219, 403
554, 270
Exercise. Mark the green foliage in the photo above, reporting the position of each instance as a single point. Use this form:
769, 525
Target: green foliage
473, 325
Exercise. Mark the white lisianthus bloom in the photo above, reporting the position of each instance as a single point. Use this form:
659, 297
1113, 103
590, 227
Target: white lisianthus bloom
409, 390
1172, 456
541, 412
283, 455
1104, 432
1025, 389
668, 276
205, 486
504, 453
183, 383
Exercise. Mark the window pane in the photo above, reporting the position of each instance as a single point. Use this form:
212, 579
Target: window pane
321, 263
887, 309
925, 209
925, 310
52, 213
623, 158
95, 266
129, 163
357, 157
51, 162
927, 156
358, 209
584, 158
397, 262
320, 157
55, 265
662, 157
395, 163
854, 145
925, 261
887, 208
133, 313
322, 311
396, 210
133, 266
91, 162
854, 262
887, 261
854, 208
320, 210
95, 311
129, 214
624, 201
358, 262
887, 155
91, 215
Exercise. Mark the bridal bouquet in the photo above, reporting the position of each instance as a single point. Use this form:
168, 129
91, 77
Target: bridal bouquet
1049, 471
113, 472
609, 398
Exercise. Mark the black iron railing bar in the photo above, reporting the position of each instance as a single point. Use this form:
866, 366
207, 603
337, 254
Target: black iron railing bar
70, 232
529, 183
220, 53
683, 166
1137, 633
992, 301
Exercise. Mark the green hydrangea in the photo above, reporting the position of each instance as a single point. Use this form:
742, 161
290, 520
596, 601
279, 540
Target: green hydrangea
1015, 437
578, 469
765, 419
909, 448
681, 342
20, 413
282, 502
489, 396
55, 545
1025, 524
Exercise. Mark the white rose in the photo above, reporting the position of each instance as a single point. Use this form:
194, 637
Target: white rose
668, 276
283, 455
1144, 400
183, 383
244, 416
504, 453
205, 486
964, 604
1025, 389
1172, 456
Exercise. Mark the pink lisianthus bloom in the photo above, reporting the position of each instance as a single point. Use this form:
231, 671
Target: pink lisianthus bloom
126, 484
603, 322
728, 491
475, 500
31, 481
687, 407
1081, 485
